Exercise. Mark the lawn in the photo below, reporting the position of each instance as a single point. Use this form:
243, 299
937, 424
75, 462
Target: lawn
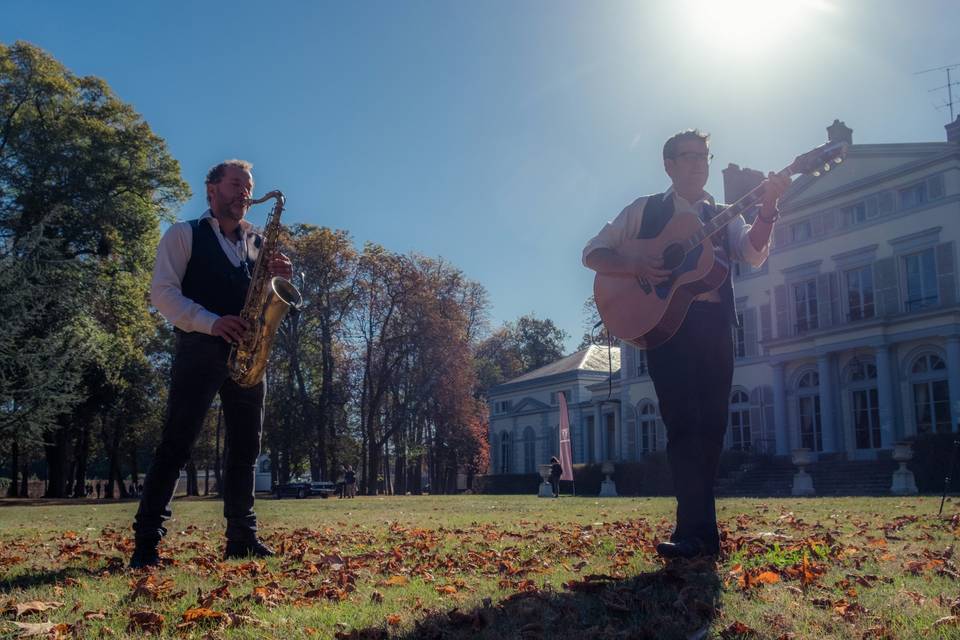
488, 567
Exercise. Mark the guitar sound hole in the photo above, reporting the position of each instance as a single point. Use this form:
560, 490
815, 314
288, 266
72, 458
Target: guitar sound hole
673, 257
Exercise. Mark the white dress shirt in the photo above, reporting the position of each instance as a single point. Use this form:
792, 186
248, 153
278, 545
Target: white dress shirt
173, 254
627, 225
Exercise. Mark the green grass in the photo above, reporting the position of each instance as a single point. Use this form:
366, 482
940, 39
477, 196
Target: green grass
494, 567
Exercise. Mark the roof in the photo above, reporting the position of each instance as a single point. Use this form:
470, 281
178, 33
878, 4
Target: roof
593, 358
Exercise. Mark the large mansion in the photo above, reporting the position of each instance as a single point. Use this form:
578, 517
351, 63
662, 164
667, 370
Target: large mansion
849, 336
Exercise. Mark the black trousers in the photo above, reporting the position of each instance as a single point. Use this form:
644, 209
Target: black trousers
199, 372
692, 374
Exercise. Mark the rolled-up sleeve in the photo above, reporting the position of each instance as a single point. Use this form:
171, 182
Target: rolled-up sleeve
166, 292
614, 233
742, 247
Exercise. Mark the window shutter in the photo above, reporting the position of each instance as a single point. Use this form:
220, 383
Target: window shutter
887, 294
835, 306
750, 331
946, 278
824, 305
783, 313
766, 322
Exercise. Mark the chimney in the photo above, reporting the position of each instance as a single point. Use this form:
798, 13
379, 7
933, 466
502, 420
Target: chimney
738, 182
839, 132
953, 131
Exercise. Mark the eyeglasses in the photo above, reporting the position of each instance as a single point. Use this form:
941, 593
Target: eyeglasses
694, 155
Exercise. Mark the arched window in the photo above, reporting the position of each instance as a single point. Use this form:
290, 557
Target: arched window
808, 399
529, 451
504, 452
740, 421
648, 428
865, 404
931, 394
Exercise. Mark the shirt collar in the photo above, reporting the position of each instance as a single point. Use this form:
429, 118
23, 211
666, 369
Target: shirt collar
681, 203
208, 215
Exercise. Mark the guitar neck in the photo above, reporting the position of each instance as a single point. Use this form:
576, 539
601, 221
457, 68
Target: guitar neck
723, 218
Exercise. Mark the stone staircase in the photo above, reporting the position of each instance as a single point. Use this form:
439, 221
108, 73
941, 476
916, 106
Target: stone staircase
773, 477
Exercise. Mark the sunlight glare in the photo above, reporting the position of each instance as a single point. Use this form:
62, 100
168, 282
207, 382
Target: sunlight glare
751, 25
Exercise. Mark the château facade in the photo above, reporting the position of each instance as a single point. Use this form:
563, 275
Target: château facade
849, 336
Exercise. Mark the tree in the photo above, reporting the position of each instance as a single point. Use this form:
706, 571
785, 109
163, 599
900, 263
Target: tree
517, 348
84, 184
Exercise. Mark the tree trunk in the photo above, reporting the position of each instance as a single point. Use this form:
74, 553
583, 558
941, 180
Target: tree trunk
14, 462
55, 451
25, 478
81, 455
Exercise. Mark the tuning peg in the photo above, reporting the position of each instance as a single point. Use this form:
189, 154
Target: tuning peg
838, 160
816, 174
826, 166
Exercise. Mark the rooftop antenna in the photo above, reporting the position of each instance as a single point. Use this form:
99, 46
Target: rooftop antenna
949, 86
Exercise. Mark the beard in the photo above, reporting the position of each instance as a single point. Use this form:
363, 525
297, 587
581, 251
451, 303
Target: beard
231, 208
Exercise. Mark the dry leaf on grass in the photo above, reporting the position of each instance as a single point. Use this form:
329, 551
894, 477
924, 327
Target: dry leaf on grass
146, 621
34, 606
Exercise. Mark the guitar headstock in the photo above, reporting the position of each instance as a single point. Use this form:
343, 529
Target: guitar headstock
820, 159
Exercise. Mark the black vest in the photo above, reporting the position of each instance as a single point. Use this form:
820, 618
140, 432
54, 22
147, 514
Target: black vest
211, 280
657, 212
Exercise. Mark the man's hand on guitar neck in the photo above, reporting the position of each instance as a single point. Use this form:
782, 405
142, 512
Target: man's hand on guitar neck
608, 261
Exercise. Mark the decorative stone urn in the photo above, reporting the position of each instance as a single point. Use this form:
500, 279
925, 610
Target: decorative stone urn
802, 482
608, 489
546, 489
904, 484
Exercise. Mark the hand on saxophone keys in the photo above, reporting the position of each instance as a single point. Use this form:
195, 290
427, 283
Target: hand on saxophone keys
231, 328
280, 265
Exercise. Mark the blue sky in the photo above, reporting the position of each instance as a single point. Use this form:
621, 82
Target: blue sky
499, 134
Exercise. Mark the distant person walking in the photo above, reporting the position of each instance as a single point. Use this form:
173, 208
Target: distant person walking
556, 470
350, 480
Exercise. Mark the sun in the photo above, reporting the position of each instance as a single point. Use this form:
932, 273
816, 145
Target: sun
749, 25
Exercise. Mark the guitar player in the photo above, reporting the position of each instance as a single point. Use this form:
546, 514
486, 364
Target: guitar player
692, 372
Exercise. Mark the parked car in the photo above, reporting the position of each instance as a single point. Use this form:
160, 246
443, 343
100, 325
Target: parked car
304, 487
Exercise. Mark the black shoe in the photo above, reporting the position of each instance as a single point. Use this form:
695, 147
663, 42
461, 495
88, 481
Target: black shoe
145, 554
680, 549
242, 549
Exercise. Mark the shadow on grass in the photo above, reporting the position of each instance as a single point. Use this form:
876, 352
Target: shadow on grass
47, 578
678, 601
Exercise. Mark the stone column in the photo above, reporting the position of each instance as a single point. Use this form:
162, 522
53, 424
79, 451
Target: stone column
597, 434
885, 396
827, 402
781, 433
953, 376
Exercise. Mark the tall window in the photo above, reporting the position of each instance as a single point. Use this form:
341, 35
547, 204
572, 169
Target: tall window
648, 428
800, 231
590, 435
921, 277
808, 392
529, 451
913, 196
739, 338
931, 394
504, 452
740, 421
641, 362
860, 293
610, 430
855, 213
865, 405
805, 305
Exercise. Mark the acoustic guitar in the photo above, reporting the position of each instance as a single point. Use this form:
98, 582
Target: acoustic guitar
645, 314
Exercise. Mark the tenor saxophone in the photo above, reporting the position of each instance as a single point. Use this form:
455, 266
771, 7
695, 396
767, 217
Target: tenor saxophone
268, 301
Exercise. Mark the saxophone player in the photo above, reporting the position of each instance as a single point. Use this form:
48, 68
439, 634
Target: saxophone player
200, 280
